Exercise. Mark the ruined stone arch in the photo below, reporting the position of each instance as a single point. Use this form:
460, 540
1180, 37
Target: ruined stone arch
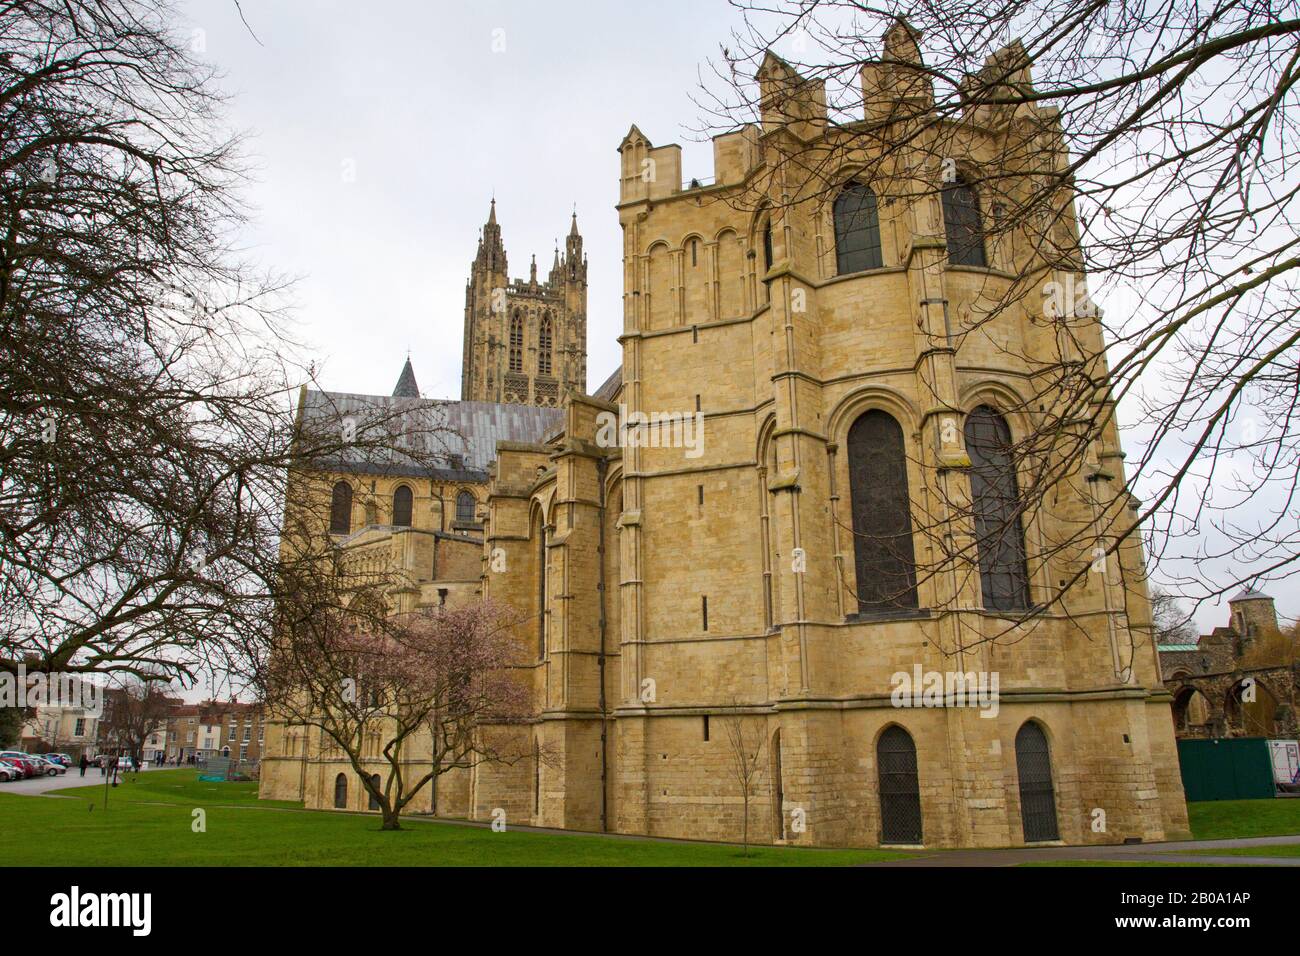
1257, 718
1192, 711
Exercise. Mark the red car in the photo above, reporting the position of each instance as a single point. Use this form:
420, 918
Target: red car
20, 761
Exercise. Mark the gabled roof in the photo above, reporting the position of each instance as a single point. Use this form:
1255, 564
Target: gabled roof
451, 440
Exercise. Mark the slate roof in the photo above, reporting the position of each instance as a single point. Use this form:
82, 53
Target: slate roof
406, 387
452, 440
611, 385
1249, 594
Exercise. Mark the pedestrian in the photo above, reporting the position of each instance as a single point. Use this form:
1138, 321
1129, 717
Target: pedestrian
84, 764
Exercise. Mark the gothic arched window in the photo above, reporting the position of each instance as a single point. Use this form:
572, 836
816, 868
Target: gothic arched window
544, 346
961, 222
402, 507
1037, 797
900, 789
465, 506
340, 792
995, 500
882, 520
857, 230
341, 508
516, 342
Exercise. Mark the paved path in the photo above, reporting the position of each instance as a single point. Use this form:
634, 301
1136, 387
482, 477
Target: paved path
73, 778
1142, 852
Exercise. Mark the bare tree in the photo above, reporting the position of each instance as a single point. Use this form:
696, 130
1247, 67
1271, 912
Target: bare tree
419, 694
1148, 146
745, 755
149, 391
1170, 623
133, 711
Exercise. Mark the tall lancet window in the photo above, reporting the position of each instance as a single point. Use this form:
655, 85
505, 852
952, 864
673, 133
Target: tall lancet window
961, 220
544, 346
857, 230
995, 500
516, 342
882, 520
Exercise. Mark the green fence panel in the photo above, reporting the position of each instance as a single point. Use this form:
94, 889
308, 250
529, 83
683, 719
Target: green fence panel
1232, 768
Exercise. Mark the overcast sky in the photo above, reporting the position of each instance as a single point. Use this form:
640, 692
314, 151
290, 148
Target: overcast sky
381, 131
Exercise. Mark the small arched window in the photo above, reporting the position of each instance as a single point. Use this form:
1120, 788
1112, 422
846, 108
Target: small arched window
1037, 796
340, 792
995, 500
544, 346
899, 787
402, 507
961, 222
341, 508
516, 342
857, 230
465, 507
767, 246
884, 557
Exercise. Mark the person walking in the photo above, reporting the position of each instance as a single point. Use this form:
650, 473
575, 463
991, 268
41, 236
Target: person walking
84, 764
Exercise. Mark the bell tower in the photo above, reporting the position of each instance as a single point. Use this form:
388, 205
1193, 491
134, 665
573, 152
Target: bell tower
525, 341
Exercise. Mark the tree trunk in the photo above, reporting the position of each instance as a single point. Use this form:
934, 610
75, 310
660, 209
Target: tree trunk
745, 827
392, 818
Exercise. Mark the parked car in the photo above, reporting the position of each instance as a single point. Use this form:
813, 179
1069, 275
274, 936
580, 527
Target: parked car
47, 767
22, 763
63, 759
22, 760
10, 771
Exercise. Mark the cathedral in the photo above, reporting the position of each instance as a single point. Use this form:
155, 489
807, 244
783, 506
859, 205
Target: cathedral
525, 342
767, 583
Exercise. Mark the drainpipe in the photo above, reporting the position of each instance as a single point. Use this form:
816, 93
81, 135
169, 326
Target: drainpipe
601, 467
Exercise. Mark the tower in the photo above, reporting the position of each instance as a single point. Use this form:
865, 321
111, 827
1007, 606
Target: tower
525, 340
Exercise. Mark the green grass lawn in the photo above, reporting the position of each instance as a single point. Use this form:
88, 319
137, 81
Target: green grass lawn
172, 786
1284, 849
148, 823
1228, 819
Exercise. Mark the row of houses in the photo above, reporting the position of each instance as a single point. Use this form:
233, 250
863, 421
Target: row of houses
186, 733
196, 732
